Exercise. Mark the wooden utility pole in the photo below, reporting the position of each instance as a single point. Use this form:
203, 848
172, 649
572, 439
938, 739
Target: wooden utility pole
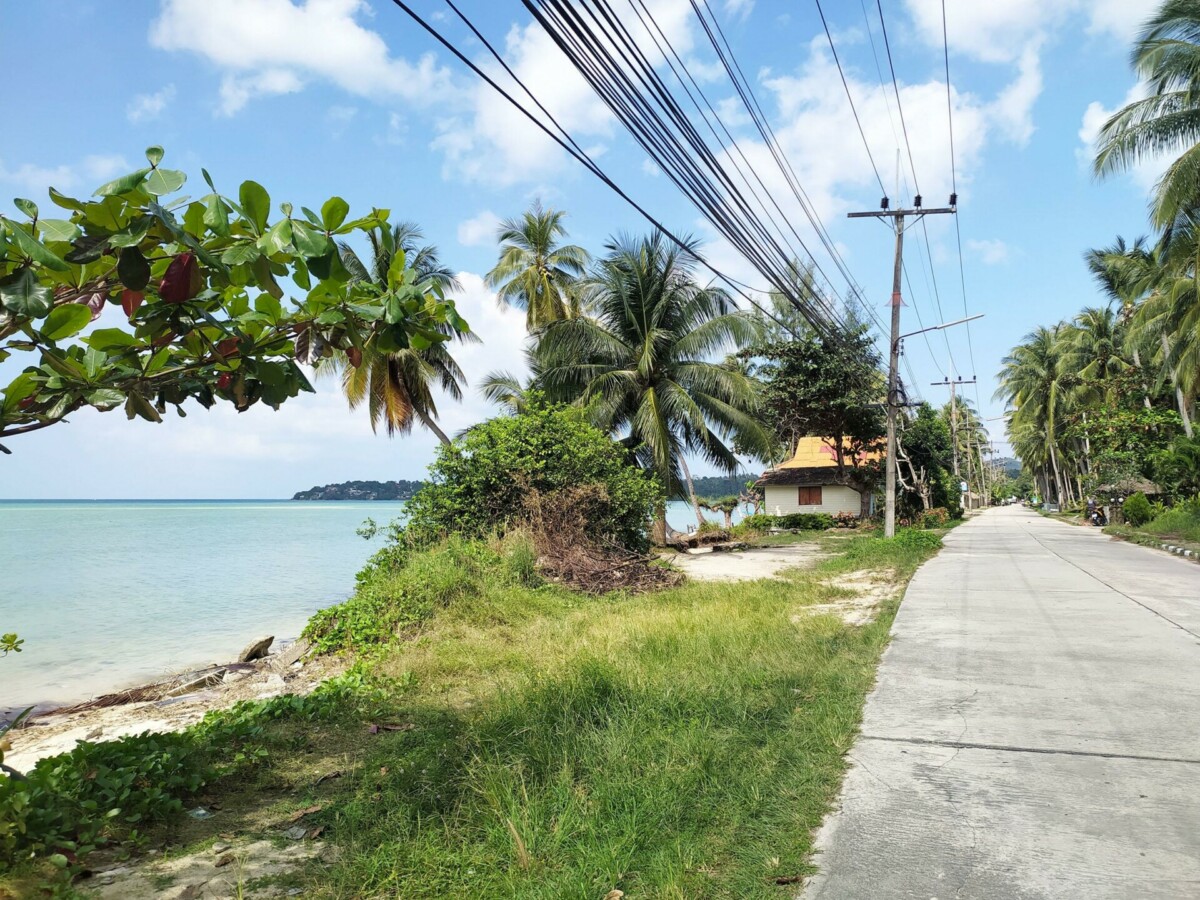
897, 216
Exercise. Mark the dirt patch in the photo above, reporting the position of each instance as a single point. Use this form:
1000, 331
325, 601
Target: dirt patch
172, 709
747, 565
225, 870
865, 592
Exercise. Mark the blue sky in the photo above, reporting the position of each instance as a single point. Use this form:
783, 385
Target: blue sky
319, 97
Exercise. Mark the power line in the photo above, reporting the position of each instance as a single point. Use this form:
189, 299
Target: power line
853, 109
962, 274
569, 145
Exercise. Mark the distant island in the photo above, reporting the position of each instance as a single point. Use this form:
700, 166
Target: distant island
362, 490
713, 486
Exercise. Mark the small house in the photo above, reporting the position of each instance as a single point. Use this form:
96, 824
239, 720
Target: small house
809, 482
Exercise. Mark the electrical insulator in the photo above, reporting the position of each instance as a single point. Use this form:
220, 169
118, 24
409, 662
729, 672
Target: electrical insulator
883, 204
917, 201
954, 199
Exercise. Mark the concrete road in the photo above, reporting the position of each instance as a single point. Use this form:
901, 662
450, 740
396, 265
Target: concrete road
1035, 729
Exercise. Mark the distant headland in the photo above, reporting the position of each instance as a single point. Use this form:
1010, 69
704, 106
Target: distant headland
361, 490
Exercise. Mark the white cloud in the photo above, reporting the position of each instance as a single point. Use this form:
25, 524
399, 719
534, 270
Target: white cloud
992, 252
479, 229
88, 173
739, 9
1013, 109
271, 47
145, 107
339, 118
651, 168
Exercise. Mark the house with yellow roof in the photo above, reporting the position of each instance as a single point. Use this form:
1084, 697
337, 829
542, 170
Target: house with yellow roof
810, 482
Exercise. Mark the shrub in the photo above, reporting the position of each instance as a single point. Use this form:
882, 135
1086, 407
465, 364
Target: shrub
846, 520
938, 517
1137, 509
805, 521
479, 484
758, 522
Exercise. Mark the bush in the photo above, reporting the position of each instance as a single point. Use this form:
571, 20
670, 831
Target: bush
758, 522
938, 517
805, 521
1137, 509
479, 485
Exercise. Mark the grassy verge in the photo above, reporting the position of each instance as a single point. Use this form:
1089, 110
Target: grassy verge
549, 745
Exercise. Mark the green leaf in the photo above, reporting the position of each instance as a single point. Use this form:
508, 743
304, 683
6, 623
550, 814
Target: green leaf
286, 209
216, 214
105, 399
59, 230
208, 179
66, 320
133, 269
60, 199
23, 295
241, 253
122, 185
110, 339
277, 238
264, 279
31, 247
26, 206
193, 219
309, 242
21, 387
165, 181
334, 213
154, 154
93, 361
256, 203
137, 405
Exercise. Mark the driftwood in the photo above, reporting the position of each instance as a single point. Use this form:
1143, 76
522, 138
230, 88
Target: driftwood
685, 542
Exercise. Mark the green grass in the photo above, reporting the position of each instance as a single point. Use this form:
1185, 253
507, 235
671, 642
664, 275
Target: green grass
1180, 522
677, 745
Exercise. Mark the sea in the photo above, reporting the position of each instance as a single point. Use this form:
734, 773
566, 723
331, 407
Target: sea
108, 594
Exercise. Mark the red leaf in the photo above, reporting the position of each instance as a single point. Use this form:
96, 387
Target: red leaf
227, 347
355, 356
94, 302
130, 301
182, 280
224, 380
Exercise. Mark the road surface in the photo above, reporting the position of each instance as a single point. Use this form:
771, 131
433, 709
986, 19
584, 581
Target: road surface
1035, 729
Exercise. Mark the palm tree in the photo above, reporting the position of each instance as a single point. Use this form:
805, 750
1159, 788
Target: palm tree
1167, 58
398, 386
644, 365
1121, 272
535, 272
1033, 382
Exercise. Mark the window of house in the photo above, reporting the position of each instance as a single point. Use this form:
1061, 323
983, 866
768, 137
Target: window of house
810, 496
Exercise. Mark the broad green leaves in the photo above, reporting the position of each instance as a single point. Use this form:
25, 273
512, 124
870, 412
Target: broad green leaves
191, 299
23, 295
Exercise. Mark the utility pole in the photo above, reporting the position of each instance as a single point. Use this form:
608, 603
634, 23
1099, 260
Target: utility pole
897, 216
953, 385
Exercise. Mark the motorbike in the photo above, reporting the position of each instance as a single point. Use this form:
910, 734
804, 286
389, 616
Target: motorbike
1098, 518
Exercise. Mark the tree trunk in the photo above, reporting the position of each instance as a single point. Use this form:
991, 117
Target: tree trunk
728, 518
692, 492
1058, 484
1137, 361
658, 531
431, 425
1183, 412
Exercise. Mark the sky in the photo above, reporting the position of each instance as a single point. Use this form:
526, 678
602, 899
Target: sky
320, 97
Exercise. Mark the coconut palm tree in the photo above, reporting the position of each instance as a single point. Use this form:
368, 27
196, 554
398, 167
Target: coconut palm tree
1121, 271
1034, 384
644, 363
1167, 58
398, 386
535, 271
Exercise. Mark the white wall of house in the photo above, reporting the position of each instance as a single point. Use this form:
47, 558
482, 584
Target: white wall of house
783, 500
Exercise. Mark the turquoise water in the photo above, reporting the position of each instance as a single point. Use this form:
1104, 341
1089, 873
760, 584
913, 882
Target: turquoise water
112, 593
